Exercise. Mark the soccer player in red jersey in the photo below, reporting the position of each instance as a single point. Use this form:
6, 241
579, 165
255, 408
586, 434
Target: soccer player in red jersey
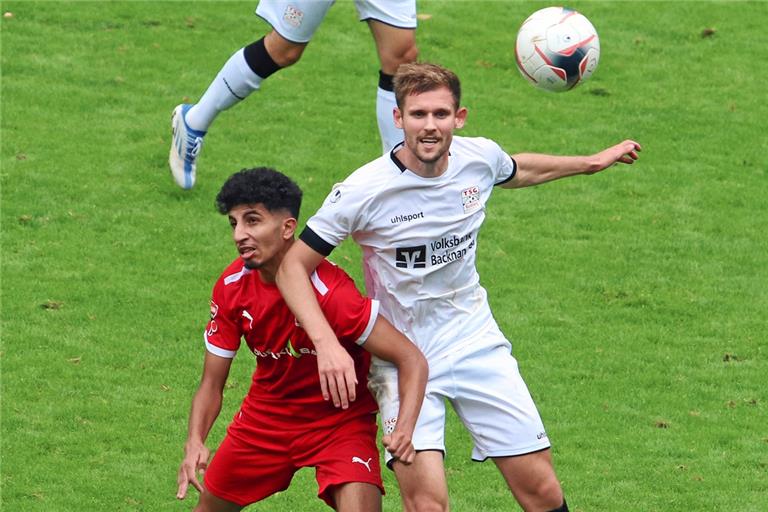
284, 422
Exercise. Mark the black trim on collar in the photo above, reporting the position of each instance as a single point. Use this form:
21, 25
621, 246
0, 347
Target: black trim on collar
396, 160
314, 241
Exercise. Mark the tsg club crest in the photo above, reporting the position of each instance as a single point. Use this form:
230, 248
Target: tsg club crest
470, 199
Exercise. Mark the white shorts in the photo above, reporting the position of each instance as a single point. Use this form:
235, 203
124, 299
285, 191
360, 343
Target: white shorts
297, 20
486, 391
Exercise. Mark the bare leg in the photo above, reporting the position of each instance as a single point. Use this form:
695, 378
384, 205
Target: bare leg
532, 480
422, 484
210, 503
357, 496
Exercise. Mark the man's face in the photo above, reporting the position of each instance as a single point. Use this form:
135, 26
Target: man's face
428, 120
261, 236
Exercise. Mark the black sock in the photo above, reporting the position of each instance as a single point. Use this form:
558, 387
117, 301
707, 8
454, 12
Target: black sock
385, 81
259, 60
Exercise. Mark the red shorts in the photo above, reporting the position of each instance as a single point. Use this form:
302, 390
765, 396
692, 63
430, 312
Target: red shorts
254, 462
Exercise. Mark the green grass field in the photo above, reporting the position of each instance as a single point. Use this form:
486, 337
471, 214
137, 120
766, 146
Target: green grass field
636, 299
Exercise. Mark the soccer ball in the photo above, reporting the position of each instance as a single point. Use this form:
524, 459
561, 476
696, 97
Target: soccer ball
557, 48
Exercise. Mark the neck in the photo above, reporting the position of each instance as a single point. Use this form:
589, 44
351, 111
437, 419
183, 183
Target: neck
268, 271
420, 167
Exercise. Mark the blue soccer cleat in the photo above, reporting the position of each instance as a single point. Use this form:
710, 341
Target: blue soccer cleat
185, 148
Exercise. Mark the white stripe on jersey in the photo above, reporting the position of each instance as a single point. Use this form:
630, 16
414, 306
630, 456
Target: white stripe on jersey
371, 322
318, 283
213, 349
233, 278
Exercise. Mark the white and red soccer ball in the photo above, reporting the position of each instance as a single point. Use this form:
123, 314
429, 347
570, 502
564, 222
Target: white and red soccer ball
557, 48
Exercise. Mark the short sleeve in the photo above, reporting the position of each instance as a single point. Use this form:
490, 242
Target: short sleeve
338, 217
504, 166
222, 333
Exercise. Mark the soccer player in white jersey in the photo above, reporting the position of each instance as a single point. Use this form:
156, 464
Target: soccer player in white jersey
416, 213
393, 27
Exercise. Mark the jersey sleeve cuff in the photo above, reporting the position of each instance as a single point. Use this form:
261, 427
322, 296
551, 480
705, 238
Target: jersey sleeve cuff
371, 322
514, 172
218, 351
313, 240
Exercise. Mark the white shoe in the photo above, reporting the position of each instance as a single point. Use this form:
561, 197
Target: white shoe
185, 148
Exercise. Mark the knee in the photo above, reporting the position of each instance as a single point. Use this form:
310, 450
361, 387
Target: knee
285, 53
402, 55
546, 495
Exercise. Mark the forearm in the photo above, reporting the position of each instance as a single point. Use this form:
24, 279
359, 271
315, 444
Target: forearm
534, 169
412, 376
206, 406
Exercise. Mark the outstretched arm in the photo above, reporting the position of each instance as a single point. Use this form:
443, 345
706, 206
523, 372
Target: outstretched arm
534, 169
206, 406
334, 364
387, 343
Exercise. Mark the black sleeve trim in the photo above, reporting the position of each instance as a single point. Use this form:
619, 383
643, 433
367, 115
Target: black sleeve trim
514, 172
313, 240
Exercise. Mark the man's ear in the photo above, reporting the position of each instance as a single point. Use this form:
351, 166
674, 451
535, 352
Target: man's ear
461, 117
398, 115
289, 228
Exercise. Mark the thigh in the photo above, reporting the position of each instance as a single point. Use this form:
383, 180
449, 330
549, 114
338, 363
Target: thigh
295, 20
341, 455
394, 45
356, 496
210, 503
495, 405
422, 484
244, 472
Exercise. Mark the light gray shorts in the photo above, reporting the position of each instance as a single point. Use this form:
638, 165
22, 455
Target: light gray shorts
297, 20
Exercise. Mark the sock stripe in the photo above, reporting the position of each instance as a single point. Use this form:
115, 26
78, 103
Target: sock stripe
230, 90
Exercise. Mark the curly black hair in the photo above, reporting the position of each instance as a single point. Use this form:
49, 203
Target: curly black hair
273, 189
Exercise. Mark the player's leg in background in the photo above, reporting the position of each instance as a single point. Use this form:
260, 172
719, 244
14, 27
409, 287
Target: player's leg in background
241, 75
356, 496
393, 27
532, 480
293, 24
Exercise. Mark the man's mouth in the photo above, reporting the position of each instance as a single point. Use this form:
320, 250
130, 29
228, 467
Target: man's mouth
246, 252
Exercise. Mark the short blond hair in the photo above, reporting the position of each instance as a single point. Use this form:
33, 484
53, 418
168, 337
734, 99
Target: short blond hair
420, 77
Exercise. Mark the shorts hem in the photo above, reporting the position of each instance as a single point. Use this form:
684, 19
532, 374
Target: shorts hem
404, 27
513, 453
391, 460
237, 500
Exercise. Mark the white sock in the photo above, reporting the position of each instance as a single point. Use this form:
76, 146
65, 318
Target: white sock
234, 83
385, 104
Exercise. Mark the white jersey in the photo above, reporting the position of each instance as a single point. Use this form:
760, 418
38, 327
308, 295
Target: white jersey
419, 239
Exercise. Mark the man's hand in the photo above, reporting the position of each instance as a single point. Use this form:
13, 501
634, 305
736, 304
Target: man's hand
624, 152
399, 446
337, 374
195, 461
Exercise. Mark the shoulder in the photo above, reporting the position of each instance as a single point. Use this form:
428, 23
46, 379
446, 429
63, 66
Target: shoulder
476, 146
367, 180
328, 277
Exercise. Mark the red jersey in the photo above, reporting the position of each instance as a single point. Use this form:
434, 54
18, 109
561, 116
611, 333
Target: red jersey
285, 389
